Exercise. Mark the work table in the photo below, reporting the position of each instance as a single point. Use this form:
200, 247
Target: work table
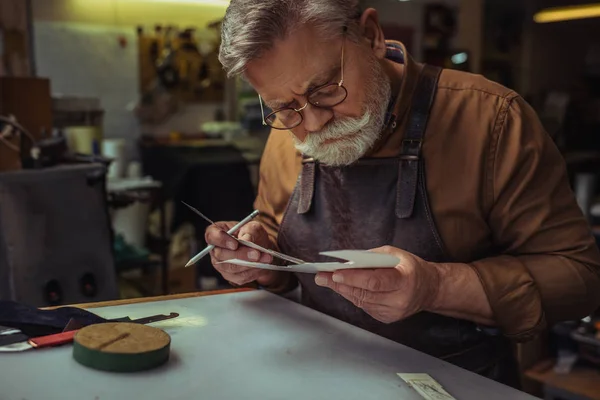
244, 344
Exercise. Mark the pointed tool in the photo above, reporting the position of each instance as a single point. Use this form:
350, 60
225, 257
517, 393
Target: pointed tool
230, 232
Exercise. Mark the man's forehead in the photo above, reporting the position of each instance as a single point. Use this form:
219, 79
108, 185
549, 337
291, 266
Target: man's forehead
292, 66
293, 80
312, 81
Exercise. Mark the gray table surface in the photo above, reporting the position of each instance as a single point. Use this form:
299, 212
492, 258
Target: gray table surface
249, 345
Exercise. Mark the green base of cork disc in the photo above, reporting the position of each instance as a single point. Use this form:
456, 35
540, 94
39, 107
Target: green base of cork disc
121, 347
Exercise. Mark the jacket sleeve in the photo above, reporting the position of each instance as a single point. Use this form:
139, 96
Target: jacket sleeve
548, 265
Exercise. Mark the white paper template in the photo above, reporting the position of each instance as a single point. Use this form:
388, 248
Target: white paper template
356, 259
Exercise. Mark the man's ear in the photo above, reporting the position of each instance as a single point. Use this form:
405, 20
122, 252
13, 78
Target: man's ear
371, 32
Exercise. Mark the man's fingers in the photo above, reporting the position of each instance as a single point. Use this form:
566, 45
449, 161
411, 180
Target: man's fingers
389, 250
237, 274
226, 268
227, 248
243, 277
217, 237
380, 305
358, 296
252, 232
374, 280
243, 253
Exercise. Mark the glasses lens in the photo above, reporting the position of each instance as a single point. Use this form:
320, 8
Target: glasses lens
328, 96
284, 119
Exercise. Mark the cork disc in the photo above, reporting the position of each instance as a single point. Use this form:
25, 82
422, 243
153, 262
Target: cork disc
121, 347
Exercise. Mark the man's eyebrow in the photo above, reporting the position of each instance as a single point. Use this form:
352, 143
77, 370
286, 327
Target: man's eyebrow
276, 104
316, 81
322, 78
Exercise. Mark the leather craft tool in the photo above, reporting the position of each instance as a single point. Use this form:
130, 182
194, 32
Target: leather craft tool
273, 253
230, 232
68, 335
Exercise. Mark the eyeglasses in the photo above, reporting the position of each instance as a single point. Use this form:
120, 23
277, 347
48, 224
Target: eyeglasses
326, 96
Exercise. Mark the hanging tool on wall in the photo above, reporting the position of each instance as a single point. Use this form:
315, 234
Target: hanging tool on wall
11, 136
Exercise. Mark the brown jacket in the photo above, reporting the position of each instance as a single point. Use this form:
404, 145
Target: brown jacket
500, 197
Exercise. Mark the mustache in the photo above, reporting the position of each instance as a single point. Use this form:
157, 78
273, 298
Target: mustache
339, 128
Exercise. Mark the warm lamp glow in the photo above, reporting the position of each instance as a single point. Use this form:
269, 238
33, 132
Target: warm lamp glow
223, 3
180, 13
556, 14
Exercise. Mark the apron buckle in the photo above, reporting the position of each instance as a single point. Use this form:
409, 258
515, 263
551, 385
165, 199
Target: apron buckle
411, 149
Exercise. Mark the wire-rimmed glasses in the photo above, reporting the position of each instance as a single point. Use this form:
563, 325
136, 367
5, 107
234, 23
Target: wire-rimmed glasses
326, 96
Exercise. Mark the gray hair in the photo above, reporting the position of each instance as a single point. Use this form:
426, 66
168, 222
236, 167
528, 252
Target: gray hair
250, 27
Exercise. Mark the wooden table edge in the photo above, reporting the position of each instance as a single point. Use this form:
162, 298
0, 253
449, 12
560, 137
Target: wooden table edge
123, 302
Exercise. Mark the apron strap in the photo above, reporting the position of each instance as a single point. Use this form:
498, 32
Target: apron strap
410, 156
306, 185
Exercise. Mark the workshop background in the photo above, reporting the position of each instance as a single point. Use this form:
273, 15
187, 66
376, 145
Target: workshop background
113, 112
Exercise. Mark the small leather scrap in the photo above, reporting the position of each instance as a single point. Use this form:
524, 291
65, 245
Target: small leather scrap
426, 386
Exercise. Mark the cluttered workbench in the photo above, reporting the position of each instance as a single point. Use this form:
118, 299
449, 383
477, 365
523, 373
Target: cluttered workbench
243, 344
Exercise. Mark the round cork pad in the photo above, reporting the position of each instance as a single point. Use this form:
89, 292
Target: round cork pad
121, 347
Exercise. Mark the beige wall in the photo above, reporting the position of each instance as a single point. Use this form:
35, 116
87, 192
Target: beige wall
128, 12
185, 13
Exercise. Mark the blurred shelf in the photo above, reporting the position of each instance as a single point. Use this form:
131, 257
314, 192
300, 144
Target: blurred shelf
582, 383
153, 261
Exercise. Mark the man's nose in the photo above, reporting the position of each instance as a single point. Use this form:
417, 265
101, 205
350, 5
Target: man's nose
316, 118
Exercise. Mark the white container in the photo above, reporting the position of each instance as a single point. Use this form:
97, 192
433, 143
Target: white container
131, 222
115, 149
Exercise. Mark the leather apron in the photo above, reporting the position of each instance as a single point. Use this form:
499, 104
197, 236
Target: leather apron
383, 201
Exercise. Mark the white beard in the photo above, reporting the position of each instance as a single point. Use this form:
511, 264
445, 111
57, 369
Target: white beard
357, 135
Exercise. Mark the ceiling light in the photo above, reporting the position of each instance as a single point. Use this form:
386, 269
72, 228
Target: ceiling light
556, 14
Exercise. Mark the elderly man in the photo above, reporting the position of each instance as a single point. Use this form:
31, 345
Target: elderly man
450, 172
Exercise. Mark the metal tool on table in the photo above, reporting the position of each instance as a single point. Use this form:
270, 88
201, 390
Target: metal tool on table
9, 336
241, 241
69, 333
4, 331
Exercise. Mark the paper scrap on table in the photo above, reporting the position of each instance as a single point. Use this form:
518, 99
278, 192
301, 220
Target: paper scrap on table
426, 386
355, 259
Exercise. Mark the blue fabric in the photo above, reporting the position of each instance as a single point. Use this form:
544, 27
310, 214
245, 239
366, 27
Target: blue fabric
33, 321
394, 53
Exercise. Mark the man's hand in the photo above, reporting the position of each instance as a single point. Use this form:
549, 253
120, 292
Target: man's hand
228, 249
388, 294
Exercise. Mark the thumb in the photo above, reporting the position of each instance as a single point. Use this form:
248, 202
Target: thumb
403, 255
251, 232
387, 250
406, 258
